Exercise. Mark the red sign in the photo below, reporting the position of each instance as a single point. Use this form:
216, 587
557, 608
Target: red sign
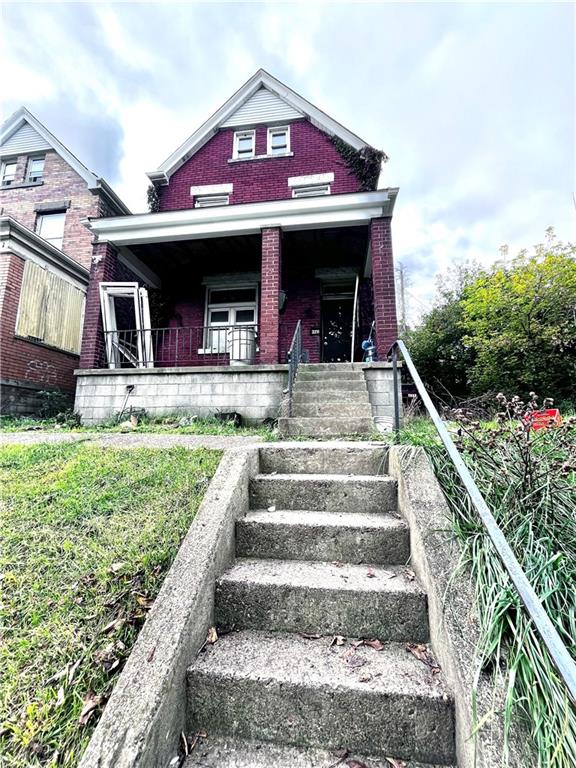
543, 419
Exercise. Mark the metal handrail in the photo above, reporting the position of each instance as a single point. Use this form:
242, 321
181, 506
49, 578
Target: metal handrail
294, 358
558, 651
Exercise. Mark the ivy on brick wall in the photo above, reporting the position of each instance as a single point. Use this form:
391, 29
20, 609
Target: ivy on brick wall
364, 163
153, 199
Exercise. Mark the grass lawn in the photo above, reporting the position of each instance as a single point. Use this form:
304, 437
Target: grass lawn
170, 425
87, 537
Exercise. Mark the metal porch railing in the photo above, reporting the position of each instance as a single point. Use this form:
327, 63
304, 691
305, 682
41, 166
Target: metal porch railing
558, 651
294, 359
170, 347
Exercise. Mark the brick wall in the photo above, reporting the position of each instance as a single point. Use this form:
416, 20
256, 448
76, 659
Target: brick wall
104, 269
256, 180
269, 294
383, 285
21, 360
60, 183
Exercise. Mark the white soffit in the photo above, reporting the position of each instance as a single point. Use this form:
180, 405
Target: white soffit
263, 107
24, 140
260, 81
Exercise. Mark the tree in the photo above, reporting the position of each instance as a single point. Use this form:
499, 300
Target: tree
509, 328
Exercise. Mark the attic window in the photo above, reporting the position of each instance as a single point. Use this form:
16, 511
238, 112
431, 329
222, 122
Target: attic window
8, 173
244, 144
211, 201
35, 169
313, 190
278, 141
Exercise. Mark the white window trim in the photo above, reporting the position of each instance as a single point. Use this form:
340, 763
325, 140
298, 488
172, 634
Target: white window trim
313, 190
41, 218
29, 168
5, 163
208, 306
274, 129
212, 189
243, 134
307, 181
211, 201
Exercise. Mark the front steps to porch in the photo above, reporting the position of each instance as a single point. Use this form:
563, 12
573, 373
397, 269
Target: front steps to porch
321, 560
329, 399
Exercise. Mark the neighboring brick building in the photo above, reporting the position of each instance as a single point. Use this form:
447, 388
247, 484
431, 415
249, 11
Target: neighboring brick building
269, 214
45, 257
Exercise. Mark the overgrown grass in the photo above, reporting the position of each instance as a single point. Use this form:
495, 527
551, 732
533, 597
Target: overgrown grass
172, 425
528, 479
87, 537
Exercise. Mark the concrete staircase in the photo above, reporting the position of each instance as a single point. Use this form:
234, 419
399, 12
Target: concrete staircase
329, 399
320, 565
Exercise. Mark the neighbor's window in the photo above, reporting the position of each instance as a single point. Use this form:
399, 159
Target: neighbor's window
50, 309
278, 141
244, 144
313, 190
50, 226
228, 307
210, 201
35, 169
8, 172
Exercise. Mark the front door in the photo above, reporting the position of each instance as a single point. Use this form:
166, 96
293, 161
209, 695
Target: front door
336, 329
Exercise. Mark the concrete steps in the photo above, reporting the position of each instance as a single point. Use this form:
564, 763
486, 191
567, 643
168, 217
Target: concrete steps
346, 537
320, 561
329, 493
221, 752
291, 690
332, 395
318, 597
327, 426
332, 409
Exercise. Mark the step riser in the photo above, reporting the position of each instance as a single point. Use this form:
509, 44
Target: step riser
331, 396
405, 726
349, 385
328, 367
323, 543
347, 375
395, 616
327, 426
350, 495
325, 461
348, 410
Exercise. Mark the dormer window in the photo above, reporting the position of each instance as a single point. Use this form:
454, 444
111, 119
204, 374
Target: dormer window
244, 144
8, 173
35, 171
279, 141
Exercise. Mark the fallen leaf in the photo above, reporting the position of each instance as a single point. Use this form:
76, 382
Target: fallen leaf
115, 567
337, 563
73, 669
353, 659
410, 575
212, 636
395, 763
310, 637
60, 697
356, 764
365, 678
113, 625
341, 755
370, 573
91, 702
375, 643
422, 653
338, 640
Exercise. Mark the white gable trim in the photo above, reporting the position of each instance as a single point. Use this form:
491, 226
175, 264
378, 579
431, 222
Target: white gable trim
212, 189
261, 79
316, 178
22, 117
262, 107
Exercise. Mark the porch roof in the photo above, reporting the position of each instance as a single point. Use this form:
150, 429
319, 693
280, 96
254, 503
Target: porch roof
344, 210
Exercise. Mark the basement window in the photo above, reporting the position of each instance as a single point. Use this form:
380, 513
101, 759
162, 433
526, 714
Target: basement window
278, 141
8, 173
35, 169
244, 145
210, 201
313, 190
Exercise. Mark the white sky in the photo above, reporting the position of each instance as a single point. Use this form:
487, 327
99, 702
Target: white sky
473, 102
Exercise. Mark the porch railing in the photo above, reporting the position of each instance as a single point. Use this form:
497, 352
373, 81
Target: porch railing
294, 359
546, 629
169, 347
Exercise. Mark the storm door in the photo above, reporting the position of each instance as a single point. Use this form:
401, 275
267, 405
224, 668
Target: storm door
337, 308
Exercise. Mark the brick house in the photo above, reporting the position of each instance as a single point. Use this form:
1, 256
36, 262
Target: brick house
266, 216
45, 255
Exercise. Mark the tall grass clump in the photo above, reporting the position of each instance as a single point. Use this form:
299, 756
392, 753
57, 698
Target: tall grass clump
528, 478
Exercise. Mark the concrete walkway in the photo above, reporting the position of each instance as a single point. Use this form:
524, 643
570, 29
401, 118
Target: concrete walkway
129, 440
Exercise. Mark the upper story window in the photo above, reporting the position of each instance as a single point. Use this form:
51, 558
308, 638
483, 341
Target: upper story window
35, 170
210, 201
50, 226
278, 141
244, 144
311, 186
8, 173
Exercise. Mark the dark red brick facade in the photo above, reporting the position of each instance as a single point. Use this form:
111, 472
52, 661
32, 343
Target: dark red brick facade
384, 292
104, 269
257, 180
